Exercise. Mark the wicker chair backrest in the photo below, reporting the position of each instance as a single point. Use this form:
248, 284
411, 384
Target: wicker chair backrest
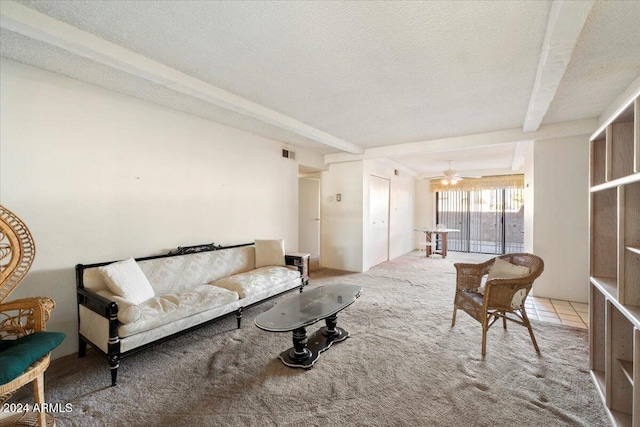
17, 252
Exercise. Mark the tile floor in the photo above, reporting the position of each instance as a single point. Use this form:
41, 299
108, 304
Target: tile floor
567, 313
561, 312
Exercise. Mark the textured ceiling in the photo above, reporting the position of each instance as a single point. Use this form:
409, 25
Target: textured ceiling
605, 61
371, 73
22, 49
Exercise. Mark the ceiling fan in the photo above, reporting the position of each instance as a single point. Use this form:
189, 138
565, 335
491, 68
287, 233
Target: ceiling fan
450, 176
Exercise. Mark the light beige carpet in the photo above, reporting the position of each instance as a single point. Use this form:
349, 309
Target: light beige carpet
403, 366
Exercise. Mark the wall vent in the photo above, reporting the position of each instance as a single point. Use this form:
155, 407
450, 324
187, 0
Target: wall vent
288, 154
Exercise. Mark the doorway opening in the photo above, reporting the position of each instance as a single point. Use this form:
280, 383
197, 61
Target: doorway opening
309, 218
379, 193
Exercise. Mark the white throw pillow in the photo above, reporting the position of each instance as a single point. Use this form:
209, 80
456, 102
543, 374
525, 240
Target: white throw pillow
125, 279
502, 269
269, 252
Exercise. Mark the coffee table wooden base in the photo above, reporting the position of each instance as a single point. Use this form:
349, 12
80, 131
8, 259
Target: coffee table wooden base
306, 350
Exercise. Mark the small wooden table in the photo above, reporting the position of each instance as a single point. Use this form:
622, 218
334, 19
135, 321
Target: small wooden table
431, 233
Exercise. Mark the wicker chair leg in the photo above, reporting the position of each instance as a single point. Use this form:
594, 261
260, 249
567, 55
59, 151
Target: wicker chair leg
38, 397
484, 340
525, 318
533, 339
504, 321
453, 319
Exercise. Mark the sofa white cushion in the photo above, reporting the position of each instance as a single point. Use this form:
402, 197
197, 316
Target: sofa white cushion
126, 280
164, 309
128, 312
169, 275
258, 280
269, 252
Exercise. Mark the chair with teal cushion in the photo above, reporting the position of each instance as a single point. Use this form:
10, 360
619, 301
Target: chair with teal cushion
24, 344
17, 355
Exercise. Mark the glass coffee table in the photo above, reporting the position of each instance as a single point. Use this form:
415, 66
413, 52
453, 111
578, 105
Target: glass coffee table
298, 311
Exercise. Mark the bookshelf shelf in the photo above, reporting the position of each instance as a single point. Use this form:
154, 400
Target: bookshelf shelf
614, 253
627, 369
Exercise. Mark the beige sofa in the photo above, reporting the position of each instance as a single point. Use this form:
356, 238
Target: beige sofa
127, 306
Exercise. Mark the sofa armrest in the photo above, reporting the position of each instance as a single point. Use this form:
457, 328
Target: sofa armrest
469, 276
97, 303
108, 309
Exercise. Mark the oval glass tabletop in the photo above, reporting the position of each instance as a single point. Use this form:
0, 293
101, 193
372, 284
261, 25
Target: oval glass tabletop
308, 307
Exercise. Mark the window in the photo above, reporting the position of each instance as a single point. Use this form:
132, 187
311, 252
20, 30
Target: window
490, 221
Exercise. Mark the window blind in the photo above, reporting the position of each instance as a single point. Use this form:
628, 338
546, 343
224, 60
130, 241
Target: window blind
478, 184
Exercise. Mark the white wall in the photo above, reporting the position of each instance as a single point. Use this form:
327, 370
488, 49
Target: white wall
309, 159
424, 211
99, 176
341, 228
345, 224
560, 217
529, 200
402, 211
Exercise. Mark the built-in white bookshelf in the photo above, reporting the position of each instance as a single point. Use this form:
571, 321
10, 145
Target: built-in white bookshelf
614, 297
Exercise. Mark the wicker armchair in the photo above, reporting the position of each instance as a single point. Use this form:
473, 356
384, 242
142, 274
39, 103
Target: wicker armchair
22, 323
498, 300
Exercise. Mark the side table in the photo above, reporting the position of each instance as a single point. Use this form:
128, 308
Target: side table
301, 261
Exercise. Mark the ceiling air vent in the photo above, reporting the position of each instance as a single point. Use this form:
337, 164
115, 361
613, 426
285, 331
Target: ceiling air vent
288, 154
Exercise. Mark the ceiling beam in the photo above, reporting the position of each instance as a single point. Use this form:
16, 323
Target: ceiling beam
31, 23
554, 130
566, 20
519, 153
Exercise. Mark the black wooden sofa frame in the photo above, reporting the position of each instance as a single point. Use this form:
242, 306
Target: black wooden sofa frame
109, 309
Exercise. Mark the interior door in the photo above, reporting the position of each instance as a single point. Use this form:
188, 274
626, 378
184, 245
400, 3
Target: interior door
309, 216
379, 216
